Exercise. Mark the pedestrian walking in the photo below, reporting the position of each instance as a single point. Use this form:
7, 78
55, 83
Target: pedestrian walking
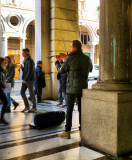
3, 97
28, 77
10, 74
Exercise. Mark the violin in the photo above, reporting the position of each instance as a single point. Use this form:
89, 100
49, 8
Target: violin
60, 57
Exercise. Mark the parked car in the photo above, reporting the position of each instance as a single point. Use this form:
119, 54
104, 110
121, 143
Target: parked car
95, 73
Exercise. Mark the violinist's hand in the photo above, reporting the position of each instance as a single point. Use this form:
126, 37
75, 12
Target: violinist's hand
56, 58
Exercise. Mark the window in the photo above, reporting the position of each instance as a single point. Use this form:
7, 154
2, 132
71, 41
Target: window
81, 4
85, 38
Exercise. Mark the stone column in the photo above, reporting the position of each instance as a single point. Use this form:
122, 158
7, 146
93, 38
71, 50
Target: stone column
4, 46
107, 108
64, 27
22, 46
92, 53
42, 41
115, 46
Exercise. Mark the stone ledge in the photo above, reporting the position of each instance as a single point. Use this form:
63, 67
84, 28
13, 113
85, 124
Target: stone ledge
109, 96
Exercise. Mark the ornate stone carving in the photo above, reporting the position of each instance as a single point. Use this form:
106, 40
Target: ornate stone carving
14, 2
17, 2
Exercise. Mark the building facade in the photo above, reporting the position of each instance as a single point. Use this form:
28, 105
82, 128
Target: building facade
89, 28
18, 29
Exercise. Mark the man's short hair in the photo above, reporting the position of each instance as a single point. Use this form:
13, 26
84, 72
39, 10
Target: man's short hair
77, 44
26, 50
8, 57
39, 62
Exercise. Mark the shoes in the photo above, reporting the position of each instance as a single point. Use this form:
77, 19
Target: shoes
32, 110
15, 105
3, 121
59, 104
8, 110
64, 106
65, 135
25, 109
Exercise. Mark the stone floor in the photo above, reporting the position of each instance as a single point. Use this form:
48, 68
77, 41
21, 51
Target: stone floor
19, 142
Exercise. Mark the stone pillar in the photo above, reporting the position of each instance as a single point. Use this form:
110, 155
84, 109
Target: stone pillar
22, 46
115, 48
4, 47
92, 53
42, 41
64, 27
107, 108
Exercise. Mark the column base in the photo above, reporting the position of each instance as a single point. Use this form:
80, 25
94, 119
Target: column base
113, 86
107, 121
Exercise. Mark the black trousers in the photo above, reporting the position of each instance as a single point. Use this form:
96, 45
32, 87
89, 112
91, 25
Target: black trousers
4, 100
24, 87
38, 92
70, 105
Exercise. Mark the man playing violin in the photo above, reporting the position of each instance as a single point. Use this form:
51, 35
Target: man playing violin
77, 66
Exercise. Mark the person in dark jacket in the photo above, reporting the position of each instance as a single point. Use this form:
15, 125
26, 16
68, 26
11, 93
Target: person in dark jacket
28, 78
10, 73
3, 97
62, 85
77, 66
39, 82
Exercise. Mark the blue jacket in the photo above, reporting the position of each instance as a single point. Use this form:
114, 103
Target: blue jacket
39, 78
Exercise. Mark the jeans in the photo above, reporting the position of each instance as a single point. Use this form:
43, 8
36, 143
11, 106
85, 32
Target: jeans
9, 98
38, 92
60, 91
24, 87
3, 98
70, 105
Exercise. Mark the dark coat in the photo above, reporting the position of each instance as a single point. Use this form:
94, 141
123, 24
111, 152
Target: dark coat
10, 73
63, 77
28, 70
39, 78
77, 66
2, 79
